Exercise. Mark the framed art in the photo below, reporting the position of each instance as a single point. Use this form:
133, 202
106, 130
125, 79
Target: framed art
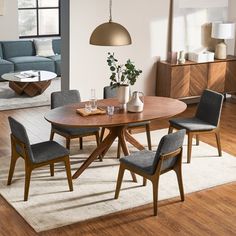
1, 7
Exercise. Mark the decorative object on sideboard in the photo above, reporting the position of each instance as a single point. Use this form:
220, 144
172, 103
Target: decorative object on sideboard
136, 104
122, 76
201, 56
222, 31
1, 7
110, 33
172, 57
181, 59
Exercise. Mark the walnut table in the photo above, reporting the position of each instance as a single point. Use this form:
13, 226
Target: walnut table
32, 86
154, 108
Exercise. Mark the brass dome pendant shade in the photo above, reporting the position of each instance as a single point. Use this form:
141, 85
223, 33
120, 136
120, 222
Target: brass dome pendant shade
110, 34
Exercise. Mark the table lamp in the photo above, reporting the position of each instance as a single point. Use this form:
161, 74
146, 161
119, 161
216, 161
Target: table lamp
222, 31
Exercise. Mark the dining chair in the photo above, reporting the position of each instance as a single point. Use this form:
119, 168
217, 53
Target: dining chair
36, 155
150, 165
109, 92
67, 97
205, 120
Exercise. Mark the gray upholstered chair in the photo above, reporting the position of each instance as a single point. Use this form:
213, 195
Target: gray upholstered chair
109, 92
36, 155
151, 165
206, 120
67, 97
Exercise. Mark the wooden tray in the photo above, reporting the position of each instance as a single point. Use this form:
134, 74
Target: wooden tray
83, 112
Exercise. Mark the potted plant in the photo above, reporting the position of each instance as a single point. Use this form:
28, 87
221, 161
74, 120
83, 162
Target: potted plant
122, 76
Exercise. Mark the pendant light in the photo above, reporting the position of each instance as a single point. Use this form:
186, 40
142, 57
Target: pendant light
110, 33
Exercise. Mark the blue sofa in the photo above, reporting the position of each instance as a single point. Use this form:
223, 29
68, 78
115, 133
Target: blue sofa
20, 55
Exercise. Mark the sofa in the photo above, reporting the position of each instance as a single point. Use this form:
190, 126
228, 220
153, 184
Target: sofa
20, 55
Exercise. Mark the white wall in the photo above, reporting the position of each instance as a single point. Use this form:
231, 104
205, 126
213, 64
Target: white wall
147, 22
9, 21
232, 17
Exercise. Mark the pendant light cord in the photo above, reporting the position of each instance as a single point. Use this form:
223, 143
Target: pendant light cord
110, 11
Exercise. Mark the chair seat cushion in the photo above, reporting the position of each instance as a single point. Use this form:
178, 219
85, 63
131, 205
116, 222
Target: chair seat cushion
142, 160
47, 151
56, 57
138, 124
74, 131
192, 124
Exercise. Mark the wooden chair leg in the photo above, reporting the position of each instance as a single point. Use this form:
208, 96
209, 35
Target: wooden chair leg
155, 195
189, 153
68, 143
102, 134
170, 129
217, 134
144, 181
148, 133
197, 139
27, 182
14, 158
80, 143
52, 169
51, 135
180, 181
119, 181
118, 149
68, 173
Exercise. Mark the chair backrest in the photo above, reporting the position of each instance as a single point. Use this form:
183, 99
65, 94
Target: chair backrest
63, 98
19, 132
109, 92
168, 144
210, 106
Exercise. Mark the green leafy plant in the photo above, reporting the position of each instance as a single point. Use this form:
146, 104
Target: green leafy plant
125, 74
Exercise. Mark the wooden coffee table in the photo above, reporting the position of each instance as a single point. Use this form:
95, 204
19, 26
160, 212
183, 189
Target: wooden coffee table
32, 86
154, 108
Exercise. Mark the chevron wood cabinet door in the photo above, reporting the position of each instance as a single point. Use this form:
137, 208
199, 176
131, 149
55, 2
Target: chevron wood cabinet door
198, 79
230, 82
217, 76
190, 79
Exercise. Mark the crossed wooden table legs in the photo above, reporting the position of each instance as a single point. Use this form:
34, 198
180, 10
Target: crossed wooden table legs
116, 131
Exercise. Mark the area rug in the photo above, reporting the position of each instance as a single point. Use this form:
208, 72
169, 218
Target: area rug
10, 100
51, 205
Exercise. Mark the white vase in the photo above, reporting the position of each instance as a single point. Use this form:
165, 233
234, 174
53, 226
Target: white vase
123, 94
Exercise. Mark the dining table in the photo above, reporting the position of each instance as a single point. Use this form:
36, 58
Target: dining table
155, 108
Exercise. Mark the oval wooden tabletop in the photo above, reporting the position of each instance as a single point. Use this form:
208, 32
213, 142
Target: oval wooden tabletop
154, 108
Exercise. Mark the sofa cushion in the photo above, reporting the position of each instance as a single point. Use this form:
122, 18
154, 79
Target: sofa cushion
18, 48
33, 63
6, 67
56, 44
57, 60
43, 47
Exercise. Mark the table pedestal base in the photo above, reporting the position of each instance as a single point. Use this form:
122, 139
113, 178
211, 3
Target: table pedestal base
30, 88
123, 135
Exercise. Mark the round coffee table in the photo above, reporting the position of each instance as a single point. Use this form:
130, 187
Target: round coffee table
32, 83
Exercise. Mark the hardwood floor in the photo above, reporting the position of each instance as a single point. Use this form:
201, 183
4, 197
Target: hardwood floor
208, 212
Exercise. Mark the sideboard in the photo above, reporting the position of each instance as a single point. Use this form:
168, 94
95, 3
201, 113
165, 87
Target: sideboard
190, 79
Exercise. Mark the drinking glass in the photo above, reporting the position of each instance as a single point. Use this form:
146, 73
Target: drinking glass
88, 107
110, 110
93, 100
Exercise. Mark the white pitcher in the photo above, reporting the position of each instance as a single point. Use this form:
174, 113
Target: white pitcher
136, 104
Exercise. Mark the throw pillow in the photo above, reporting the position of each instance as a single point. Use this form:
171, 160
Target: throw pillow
43, 47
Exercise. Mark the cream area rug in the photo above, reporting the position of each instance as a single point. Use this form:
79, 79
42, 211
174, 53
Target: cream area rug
51, 205
10, 100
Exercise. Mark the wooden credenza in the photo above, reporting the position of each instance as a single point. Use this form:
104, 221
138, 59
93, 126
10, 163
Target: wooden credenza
190, 79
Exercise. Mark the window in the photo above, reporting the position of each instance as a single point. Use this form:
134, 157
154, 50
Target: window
39, 18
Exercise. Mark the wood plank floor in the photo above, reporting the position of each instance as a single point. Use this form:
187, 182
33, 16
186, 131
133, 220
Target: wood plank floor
208, 212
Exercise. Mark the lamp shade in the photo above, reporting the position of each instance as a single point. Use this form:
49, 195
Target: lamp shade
110, 34
223, 30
